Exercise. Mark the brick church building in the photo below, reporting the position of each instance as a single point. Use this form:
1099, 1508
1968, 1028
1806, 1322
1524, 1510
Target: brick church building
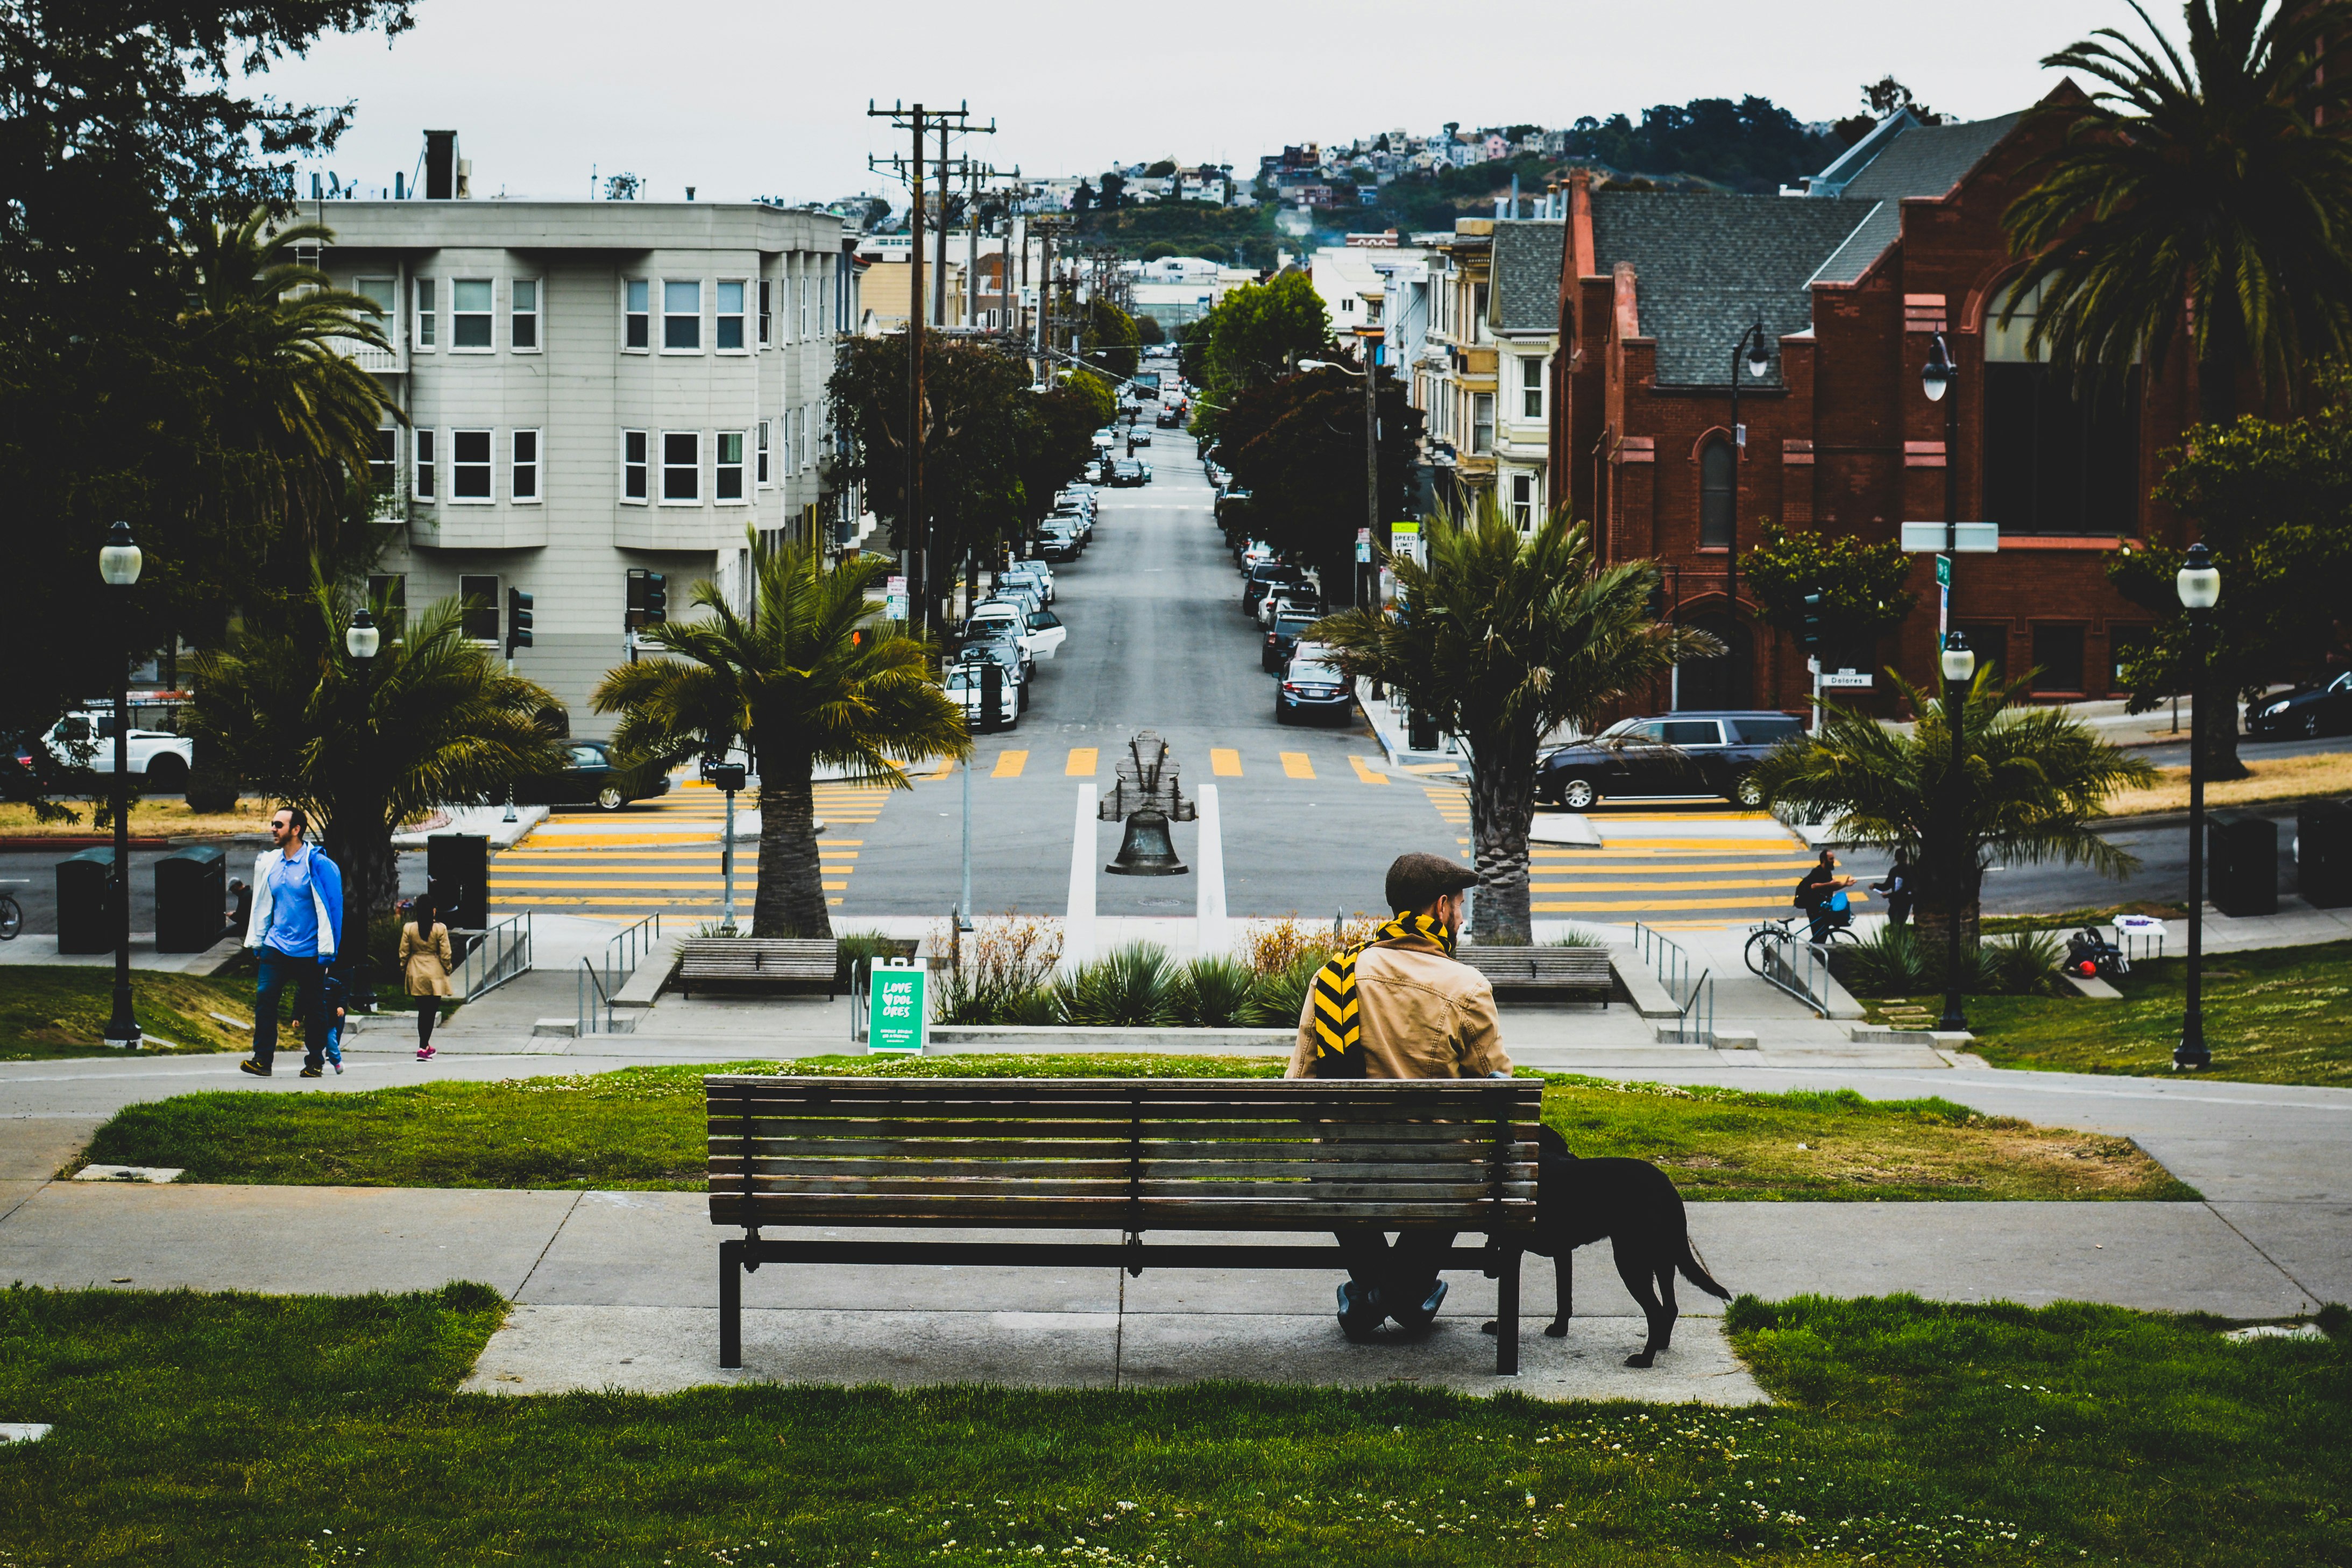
1900, 238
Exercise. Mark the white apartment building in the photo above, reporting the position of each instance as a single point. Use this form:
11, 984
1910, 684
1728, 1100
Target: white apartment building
596, 391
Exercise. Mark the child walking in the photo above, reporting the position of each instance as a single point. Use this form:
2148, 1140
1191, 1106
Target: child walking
424, 963
334, 998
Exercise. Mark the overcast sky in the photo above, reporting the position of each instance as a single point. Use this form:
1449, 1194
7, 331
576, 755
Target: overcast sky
744, 101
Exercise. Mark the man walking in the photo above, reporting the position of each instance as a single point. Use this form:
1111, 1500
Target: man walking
1399, 1007
297, 909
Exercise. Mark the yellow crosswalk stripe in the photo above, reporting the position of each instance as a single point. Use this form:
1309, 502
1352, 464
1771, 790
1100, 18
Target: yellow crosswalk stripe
1297, 765
1637, 905
1364, 771
945, 768
1009, 765
1652, 886
1224, 762
1550, 867
1081, 764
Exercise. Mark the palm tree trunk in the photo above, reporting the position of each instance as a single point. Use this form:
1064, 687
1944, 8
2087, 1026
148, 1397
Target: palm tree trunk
791, 900
1502, 809
1935, 913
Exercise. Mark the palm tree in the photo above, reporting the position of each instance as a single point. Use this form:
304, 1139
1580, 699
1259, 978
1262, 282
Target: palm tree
2036, 781
812, 679
363, 746
1502, 638
2208, 197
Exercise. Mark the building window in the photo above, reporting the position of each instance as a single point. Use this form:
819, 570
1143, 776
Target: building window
469, 322
1716, 503
642, 584
481, 595
637, 296
525, 336
633, 466
469, 466
2058, 459
810, 417
1478, 333
764, 288
1531, 388
388, 599
1482, 422
384, 463
424, 446
526, 466
805, 308
727, 480
682, 467
762, 475
728, 334
2057, 660
1523, 501
428, 320
682, 318
383, 293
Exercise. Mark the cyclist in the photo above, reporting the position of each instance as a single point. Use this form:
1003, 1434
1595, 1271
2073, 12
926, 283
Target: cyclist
1820, 895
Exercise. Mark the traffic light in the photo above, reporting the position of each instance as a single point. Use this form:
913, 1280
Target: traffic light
1809, 625
518, 620
657, 599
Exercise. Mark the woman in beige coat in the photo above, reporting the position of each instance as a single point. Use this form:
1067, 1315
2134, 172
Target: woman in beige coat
424, 963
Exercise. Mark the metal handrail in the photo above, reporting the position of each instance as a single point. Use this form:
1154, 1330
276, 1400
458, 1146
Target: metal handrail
1702, 991
597, 1016
623, 954
495, 956
1665, 955
1805, 977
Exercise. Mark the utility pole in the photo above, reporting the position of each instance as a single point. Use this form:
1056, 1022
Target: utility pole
1371, 452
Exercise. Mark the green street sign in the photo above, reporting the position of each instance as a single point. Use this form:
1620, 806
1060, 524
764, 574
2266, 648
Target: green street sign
895, 1015
1943, 572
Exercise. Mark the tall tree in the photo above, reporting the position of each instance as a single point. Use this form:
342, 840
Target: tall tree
1256, 335
1298, 446
811, 678
1110, 339
1502, 638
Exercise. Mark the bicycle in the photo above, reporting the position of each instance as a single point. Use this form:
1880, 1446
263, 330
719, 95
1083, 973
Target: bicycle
1767, 934
11, 914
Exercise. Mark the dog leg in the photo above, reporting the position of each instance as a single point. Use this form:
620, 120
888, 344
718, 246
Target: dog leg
1637, 1273
1662, 1331
1563, 1269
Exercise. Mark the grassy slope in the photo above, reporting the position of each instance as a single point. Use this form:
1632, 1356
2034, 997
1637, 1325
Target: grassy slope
199, 1431
644, 1127
61, 1009
2270, 779
2280, 1015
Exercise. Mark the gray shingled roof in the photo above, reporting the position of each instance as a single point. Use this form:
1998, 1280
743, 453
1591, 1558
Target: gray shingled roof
1710, 266
1526, 274
1924, 161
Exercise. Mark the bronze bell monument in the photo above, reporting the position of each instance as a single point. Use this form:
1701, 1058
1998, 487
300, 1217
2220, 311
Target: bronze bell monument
1146, 795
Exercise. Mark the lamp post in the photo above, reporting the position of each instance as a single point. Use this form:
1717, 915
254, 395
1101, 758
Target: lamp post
1751, 350
118, 563
1959, 664
361, 640
1371, 379
1935, 379
2200, 587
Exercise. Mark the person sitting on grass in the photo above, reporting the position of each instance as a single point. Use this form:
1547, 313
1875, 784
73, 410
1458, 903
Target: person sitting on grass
1399, 1006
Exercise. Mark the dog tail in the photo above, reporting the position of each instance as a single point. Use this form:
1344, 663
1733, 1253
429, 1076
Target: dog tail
1694, 1269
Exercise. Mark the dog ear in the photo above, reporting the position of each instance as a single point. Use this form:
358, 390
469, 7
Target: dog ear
1552, 1142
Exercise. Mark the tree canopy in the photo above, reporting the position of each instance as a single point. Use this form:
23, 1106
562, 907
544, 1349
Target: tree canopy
1297, 445
1255, 336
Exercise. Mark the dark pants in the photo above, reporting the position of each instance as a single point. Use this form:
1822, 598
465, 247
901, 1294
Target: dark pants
1405, 1273
279, 970
1898, 910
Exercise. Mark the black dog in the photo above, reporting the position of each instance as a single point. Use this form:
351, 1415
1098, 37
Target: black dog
1633, 1203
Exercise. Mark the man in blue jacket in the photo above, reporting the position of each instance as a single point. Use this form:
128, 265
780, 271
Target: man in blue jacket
298, 910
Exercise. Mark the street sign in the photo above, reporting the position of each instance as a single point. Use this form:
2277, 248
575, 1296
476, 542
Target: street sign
1972, 538
894, 1002
1943, 572
1363, 545
1847, 680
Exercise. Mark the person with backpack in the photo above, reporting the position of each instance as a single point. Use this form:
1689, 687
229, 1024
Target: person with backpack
1823, 896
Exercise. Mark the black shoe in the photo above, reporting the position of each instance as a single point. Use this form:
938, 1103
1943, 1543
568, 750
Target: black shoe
311, 1072
1360, 1311
249, 1065
1414, 1320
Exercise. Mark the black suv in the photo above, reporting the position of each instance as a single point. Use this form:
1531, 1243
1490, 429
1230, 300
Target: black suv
1673, 754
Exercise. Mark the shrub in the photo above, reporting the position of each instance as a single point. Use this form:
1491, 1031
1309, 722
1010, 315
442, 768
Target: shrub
1213, 993
1279, 999
1887, 963
1003, 963
2024, 965
1129, 987
211, 791
1894, 962
1576, 936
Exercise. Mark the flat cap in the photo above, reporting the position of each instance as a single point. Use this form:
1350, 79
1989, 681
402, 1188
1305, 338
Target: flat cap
1418, 880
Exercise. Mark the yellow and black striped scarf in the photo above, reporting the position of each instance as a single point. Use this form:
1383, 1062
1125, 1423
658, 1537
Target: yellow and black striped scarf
1339, 1032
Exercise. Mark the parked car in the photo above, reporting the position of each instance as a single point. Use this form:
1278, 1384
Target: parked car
965, 689
1312, 689
2322, 709
1262, 577
1038, 631
591, 777
1672, 754
158, 756
1282, 637
1059, 543
1009, 657
1035, 571
1291, 597
1139, 436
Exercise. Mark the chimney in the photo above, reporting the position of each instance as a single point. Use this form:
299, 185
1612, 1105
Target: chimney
464, 179
440, 165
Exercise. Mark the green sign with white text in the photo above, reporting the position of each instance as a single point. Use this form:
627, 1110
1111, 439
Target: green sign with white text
895, 1012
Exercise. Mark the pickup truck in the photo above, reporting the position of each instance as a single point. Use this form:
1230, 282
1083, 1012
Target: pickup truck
158, 756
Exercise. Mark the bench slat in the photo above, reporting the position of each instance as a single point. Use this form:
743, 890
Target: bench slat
1319, 1189
730, 1164
1079, 1213
730, 1144
1289, 1129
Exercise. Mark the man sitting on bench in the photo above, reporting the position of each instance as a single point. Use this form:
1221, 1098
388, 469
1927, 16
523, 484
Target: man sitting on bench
1399, 1007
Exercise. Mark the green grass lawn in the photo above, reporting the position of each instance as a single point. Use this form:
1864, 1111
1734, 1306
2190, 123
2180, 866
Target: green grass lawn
2280, 1015
207, 1430
644, 1127
50, 1010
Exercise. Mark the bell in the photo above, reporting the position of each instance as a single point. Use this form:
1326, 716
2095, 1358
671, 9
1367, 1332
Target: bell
1147, 850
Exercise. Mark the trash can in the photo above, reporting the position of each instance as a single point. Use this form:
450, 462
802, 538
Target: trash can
1421, 730
191, 899
2241, 863
457, 866
2323, 857
86, 901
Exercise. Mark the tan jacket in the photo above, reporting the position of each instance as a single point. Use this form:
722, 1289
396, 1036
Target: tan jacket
1423, 1015
425, 960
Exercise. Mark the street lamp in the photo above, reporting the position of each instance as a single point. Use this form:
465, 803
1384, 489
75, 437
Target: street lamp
2200, 587
119, 561
1750, 350
1937, 378
361, 640
1371, 443
1959, 664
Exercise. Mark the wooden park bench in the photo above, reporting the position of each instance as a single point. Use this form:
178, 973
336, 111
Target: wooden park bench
1134, 1156
1524, 969
757, 963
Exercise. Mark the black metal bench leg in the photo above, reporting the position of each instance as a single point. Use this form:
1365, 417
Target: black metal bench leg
1506, 1316
730, 1304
